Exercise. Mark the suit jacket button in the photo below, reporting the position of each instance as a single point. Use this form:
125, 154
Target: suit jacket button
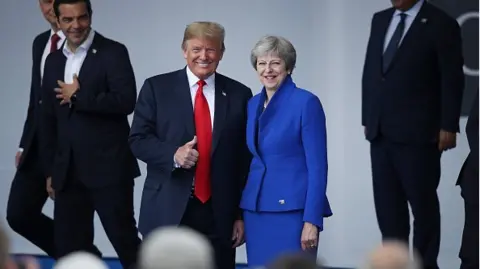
281, 202
40, 102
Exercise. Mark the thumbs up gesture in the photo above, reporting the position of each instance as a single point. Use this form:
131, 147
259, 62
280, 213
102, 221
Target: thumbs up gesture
192, 142
186, 155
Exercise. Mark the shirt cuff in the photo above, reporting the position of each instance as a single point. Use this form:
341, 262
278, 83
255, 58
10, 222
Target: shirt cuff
175, 164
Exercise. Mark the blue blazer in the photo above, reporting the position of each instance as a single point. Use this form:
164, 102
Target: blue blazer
289, 165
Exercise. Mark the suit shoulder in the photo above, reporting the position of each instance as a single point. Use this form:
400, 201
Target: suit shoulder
41, 38
439, 14
112, 44
305, 95
234, 83
162, 82
306, 99
42, 35
53, 56
164, 77
383, 12
255, 98
252, 102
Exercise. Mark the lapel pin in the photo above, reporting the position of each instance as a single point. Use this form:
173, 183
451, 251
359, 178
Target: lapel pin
424, 20
224, 94
94, 51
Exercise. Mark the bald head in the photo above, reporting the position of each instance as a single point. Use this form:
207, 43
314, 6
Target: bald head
176, 247
391, 255
80, 260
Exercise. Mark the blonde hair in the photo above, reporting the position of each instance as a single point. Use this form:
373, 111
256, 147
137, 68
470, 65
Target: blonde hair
204, 29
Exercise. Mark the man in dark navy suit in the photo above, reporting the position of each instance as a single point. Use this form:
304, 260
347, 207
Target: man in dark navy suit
468, 181
88, 92
28, 192
189, 128
411, 98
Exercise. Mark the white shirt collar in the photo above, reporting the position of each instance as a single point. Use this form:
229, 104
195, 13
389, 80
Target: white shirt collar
413, 11
192, 79
59, 33
83, 47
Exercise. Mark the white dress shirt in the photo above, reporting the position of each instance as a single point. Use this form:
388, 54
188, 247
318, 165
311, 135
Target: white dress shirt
75, 59
208, 92
411, 14
46, 50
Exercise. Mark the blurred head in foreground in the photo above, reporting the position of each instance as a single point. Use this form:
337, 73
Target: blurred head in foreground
176, 247
80, 260
295, 261
392, 255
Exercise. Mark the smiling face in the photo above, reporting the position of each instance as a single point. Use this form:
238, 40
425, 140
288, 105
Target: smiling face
75, 22
203, 56
271, 71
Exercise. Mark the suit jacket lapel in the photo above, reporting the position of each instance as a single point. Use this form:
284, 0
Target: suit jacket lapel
60, 75
278, 100
89, 63
182, 90
221, 103
61, 70
384, 23
411, 35
255, 123
38, 50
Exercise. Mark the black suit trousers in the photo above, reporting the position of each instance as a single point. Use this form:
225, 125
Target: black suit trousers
406, 174
469, 190
74, 211
27, 197
200, 217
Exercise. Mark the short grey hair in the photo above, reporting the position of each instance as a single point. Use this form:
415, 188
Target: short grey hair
276, 45
80, 259
176, 247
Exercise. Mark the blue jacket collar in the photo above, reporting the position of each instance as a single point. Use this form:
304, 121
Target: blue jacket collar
285, 87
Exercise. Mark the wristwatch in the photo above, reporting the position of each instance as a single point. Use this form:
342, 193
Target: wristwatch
73, 98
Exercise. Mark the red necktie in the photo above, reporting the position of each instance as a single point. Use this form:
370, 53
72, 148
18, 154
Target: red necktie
53, 42
203, 127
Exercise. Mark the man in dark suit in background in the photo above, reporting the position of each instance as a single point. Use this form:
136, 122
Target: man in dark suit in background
195, 173
84, 135
411, 98
28, 192
468, 181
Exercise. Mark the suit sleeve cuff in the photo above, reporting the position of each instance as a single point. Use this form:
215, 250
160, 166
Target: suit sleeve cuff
239, 214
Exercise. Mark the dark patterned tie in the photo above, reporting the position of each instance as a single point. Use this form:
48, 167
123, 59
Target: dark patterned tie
394, 42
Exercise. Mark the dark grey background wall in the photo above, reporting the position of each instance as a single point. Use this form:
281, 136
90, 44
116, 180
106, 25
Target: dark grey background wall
466, 12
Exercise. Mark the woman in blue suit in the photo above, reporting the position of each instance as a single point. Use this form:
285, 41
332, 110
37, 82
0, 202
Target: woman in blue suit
284, 201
